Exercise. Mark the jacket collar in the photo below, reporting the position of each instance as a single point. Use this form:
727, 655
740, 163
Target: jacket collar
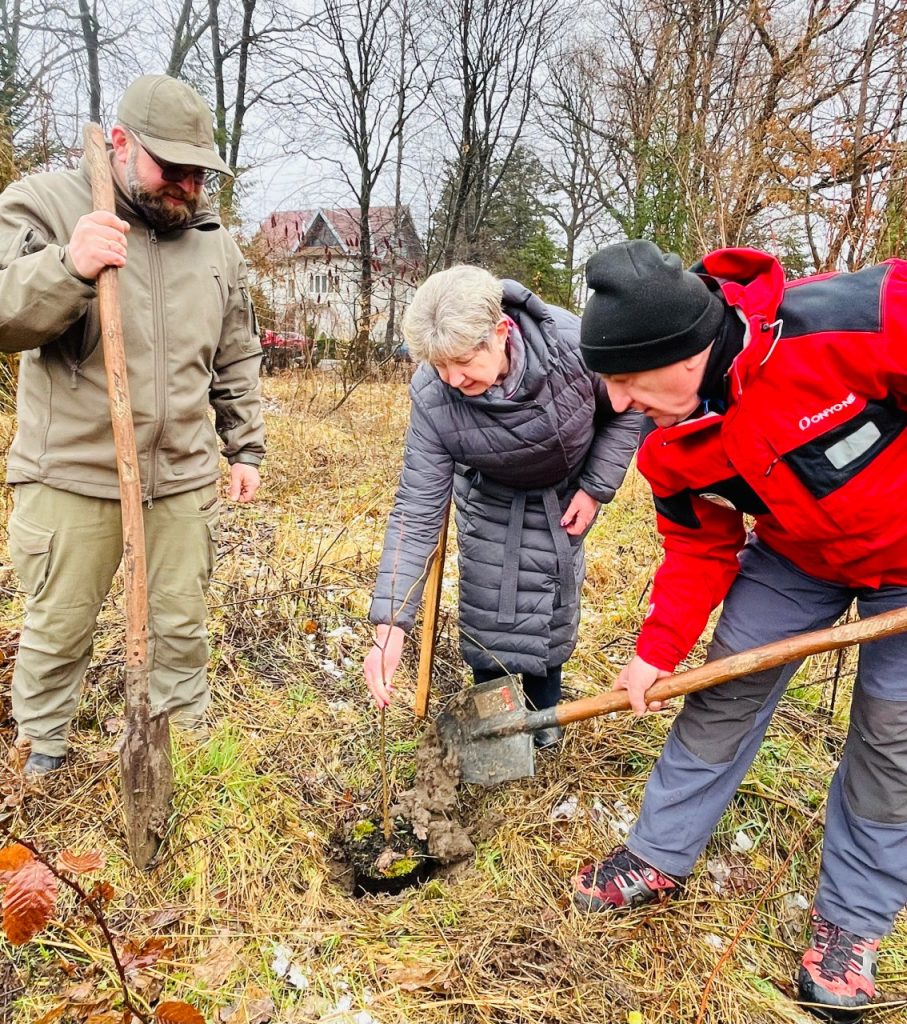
751, 282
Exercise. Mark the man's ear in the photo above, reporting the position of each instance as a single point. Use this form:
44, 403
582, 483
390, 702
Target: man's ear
120, 141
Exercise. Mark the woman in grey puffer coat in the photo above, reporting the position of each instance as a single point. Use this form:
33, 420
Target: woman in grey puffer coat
505, 415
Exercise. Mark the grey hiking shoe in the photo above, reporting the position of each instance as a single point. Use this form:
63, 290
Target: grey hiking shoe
548, 739
41, 764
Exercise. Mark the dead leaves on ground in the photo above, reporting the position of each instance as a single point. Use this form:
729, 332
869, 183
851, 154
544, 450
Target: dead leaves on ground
80, 864
176, 1012
254, 1007
137, 956
218, 963
31, 888
428, 977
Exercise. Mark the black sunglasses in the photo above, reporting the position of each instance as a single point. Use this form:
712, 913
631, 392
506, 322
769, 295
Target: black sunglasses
175, 173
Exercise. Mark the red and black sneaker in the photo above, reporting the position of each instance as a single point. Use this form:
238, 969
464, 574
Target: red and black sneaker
621, 881
838, 972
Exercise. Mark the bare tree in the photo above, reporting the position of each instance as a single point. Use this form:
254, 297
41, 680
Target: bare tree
364, 79
572, 114
492, 52
854, 149
187, 23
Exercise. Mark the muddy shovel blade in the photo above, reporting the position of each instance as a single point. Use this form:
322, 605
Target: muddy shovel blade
479, 727
146, 775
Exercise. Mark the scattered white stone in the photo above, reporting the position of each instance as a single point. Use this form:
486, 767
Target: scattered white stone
795, 901
566, 810
742, 843
715, 941
718, 871
297, 979
340, 632
283, 966
339, 705
332, 670
624, 812
280, 965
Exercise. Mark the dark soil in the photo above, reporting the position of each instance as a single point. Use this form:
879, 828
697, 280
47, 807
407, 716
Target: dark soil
381, 866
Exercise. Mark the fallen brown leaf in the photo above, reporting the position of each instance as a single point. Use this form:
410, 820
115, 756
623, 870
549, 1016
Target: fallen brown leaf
254, 1007
80, 863
164, 917
18, 753
218, 963
136, 956
413, 978
53, 1014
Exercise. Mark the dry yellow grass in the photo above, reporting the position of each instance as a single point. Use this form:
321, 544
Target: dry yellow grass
292, 757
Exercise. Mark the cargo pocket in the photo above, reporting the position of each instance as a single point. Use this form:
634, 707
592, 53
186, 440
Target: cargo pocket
212, 524
29, 549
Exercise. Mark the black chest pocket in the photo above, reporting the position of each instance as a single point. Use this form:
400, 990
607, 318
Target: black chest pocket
831, 460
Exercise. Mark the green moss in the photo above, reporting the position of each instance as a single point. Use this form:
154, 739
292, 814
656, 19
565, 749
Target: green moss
362, 829
403, 866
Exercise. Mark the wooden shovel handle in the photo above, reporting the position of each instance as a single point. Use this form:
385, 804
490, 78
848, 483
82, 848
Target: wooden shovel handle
431, 603
756, 660
134, 566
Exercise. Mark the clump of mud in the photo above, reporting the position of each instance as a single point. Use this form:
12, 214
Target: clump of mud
432, 802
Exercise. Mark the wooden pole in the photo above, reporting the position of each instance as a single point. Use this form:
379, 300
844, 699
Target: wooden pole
735, 665
145, 769
431, 603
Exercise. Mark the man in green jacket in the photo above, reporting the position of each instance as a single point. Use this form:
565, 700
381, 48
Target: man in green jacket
191, 342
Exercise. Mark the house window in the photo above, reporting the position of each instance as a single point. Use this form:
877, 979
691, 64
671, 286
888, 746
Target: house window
321, 284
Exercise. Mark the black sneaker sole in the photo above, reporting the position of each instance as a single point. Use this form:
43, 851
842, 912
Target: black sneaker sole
836, 1014
590, 904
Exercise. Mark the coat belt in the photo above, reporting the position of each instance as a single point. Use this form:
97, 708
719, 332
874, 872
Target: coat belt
511, 566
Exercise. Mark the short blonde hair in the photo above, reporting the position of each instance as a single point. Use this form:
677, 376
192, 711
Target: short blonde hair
452, 313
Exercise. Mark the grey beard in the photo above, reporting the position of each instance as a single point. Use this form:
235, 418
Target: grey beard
152, 206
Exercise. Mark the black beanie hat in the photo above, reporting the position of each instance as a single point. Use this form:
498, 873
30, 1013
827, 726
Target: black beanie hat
645, 310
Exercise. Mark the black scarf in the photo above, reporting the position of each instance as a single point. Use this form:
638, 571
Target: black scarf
727, 345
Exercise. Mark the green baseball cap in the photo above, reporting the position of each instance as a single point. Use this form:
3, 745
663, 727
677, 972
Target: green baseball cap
171, 121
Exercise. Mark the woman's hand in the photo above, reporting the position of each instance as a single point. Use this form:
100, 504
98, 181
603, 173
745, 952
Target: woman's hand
636, 678
580, 513
382, 661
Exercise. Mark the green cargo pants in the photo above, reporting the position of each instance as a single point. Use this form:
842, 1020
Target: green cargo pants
66, 548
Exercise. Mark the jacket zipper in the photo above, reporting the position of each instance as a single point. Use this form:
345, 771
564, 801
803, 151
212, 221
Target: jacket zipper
160, 358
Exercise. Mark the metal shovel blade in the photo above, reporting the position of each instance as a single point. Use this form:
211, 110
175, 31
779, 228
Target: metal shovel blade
476, 727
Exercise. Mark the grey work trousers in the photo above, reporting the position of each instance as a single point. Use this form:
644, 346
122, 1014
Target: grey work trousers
863, 876
65, 549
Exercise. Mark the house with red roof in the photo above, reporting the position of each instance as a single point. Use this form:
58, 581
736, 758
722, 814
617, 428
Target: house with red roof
307, 266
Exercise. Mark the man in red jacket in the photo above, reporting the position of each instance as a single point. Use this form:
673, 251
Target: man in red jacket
787, 402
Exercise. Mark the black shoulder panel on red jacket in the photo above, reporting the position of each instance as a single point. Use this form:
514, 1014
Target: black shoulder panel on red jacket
678, 508
843, 302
